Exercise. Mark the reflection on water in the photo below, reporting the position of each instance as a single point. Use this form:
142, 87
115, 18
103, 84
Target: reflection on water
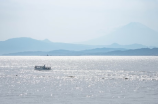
76, 80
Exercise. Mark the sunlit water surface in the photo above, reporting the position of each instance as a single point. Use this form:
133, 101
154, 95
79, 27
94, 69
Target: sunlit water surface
79, 80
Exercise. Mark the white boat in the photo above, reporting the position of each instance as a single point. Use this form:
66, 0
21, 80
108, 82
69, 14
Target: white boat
42, 68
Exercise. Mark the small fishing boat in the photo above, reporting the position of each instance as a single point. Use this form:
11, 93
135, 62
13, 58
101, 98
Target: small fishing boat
42, 68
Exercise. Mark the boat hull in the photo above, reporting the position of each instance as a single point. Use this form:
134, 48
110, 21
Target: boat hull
42, 68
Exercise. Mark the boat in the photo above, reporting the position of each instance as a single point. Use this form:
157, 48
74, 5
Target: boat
42, 68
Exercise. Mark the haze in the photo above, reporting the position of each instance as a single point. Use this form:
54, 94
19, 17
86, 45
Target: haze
72, 20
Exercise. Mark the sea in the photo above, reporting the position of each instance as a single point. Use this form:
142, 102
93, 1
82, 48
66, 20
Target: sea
79, 80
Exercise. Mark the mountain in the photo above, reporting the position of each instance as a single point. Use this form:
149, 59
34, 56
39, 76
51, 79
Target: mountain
22, 44
135, 52
132, 33
131, 46
66, 52
47, 41
28, 44
92, 52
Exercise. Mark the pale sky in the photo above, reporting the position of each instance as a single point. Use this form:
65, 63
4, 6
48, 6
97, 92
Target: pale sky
72, 20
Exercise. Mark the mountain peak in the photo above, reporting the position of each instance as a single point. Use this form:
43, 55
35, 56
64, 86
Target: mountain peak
47, 41
132, 33
135, 25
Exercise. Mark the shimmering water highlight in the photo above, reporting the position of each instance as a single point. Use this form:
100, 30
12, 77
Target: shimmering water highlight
76, 80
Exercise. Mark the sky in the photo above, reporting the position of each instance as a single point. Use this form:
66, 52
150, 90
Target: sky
72, 20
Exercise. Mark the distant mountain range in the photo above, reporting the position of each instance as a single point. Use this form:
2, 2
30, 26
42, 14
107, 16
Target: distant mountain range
29, 44
23, 44
133, 35
93, 52
129, 34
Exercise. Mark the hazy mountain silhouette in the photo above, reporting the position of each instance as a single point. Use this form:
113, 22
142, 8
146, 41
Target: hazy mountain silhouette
135, 52
132, 33
131, 46
29, 44
47, 41
67, 52
93, 52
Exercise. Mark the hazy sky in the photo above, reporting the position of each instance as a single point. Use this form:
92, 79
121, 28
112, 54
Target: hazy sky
72, 20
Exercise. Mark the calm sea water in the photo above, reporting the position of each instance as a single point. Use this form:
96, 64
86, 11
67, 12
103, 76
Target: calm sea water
79, 80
